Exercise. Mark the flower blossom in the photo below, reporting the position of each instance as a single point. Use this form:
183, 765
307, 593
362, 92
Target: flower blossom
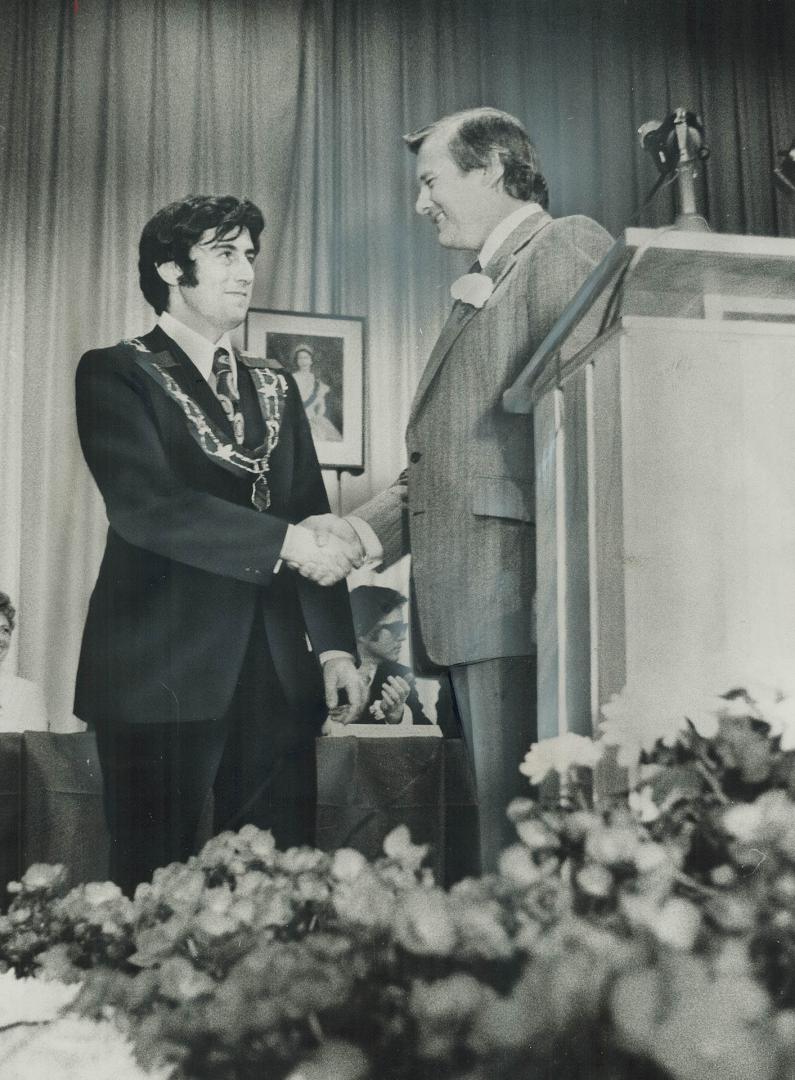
399, 848
777, 710
472, 289
561, 753
637, 719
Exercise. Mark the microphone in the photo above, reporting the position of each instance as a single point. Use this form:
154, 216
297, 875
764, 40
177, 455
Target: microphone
655, 139
676, 144
784, 173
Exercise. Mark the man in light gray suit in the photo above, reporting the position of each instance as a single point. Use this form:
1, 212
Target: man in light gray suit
464, 507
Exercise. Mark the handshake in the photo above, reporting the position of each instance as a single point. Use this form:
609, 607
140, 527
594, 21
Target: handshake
323, 548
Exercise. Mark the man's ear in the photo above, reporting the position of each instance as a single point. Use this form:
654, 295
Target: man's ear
170, 272
494, 172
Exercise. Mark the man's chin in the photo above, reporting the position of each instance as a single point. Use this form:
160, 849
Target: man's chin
453, 242
236, 316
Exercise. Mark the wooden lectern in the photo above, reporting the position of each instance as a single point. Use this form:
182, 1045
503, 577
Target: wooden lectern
665, 475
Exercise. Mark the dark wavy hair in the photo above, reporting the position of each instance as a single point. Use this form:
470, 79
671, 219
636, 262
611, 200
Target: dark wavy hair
369, 603
7, 609
475, 133
172, 232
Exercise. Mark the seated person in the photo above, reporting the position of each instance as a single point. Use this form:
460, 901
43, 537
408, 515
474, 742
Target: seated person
379, 621
378, 615
21, 701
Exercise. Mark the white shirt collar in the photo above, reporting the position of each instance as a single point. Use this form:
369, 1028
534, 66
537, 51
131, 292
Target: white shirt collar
199, 349
500, 233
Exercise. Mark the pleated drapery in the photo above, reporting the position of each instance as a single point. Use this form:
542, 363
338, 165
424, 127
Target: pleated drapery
111, 109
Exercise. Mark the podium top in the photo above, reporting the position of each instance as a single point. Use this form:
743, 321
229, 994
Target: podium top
673, 273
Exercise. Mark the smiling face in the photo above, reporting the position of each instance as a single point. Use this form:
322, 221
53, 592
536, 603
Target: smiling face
464, 206
224, 272
5, 637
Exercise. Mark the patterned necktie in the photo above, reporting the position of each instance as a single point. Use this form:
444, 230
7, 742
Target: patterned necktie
227, 394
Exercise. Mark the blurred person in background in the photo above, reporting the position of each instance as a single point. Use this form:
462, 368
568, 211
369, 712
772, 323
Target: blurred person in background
21, 701
379, 618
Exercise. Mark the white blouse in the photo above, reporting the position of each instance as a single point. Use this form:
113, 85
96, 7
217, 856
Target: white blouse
22, 705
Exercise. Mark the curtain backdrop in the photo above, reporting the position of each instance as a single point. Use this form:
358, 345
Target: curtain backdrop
111, 108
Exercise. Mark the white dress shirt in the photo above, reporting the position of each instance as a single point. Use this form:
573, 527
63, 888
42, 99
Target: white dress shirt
199, 349
500, 233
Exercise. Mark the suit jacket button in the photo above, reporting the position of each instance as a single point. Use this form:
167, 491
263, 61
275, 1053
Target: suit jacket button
415, 456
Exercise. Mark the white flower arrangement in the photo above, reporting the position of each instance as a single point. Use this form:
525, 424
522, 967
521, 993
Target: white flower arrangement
639, 717
560, 754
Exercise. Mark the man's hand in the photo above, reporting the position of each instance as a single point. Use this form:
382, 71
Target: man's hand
328, 528
325, 563
340, 673
394, 694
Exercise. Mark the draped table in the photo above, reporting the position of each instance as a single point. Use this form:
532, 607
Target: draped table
51, 801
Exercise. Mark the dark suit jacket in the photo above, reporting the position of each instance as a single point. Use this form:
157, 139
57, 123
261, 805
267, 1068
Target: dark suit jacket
189, 561
465, 506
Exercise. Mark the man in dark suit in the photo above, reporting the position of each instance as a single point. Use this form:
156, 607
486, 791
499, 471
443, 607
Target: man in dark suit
209, 644
464, 507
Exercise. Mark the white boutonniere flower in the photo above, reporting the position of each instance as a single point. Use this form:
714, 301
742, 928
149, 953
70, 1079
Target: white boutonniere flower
474, 289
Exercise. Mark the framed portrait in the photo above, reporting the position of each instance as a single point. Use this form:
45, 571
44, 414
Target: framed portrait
325, 356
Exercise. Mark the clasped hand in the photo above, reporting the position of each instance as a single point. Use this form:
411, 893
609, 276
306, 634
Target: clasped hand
340, 673
324, 549
394, 695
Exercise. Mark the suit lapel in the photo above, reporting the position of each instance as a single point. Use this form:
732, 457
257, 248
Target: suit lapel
456, 321
189, 378
498, 270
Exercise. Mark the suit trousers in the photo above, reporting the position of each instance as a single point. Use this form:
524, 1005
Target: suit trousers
496, 700
258, 760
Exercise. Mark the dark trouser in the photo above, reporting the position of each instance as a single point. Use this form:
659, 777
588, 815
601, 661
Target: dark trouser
258, 759
496, 700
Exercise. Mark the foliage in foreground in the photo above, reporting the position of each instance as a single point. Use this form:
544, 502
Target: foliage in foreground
652, 935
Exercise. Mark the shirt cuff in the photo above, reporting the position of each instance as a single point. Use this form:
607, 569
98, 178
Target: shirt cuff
374, 552
285, 544
333, 654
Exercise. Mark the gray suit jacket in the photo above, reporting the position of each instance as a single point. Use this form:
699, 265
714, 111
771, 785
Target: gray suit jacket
464, 507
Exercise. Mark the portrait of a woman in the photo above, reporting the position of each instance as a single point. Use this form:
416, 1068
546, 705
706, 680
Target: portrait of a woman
314, 393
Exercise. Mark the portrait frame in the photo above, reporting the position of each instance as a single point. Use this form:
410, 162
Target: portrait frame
325, 355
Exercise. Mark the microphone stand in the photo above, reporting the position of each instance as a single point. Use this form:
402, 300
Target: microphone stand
689, 144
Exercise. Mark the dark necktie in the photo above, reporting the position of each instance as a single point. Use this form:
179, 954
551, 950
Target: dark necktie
227, 393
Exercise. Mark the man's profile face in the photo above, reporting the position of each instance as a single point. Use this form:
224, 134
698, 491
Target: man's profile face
458, 203
219, 300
